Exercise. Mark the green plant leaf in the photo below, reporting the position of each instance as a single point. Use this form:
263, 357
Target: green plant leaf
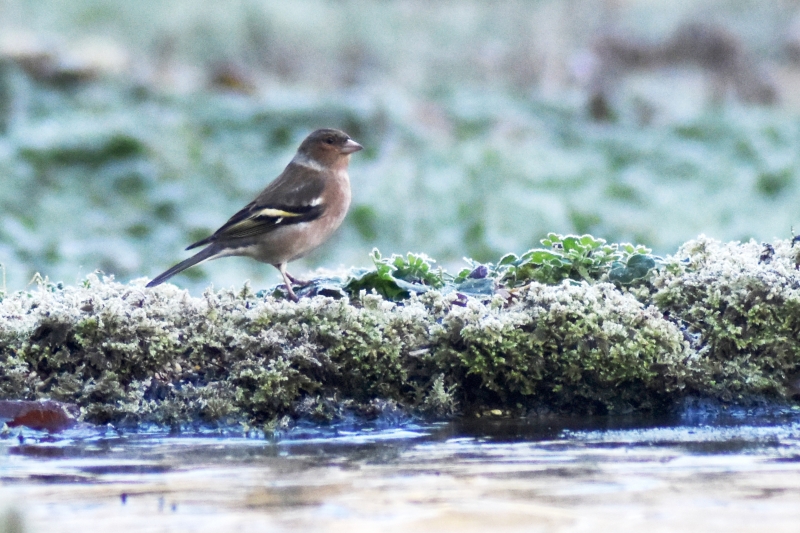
637, 267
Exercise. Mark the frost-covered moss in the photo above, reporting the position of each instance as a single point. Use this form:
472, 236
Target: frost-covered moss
129, 354
572, 347
718, 320
740, 306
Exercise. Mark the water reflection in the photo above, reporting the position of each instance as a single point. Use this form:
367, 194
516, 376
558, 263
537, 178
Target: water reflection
546, 474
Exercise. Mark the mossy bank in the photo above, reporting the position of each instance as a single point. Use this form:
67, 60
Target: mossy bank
714, 320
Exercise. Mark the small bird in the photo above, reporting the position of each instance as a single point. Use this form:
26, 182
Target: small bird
297, 212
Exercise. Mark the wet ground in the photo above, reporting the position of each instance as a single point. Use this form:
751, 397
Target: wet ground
741, 474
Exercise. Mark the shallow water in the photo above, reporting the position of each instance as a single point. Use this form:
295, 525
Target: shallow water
478, 475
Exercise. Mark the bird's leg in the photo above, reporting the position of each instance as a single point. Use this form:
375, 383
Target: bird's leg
286, 278
298, 281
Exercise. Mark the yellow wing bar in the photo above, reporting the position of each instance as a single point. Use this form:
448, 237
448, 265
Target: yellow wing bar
270, 212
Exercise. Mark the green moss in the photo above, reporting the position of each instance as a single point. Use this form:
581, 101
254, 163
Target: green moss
137, 355
716, 320
572, 347
742, 304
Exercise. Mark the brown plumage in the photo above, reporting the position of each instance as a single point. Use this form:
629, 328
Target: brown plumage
295, 213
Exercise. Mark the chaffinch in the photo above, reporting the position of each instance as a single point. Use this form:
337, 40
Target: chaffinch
295, 213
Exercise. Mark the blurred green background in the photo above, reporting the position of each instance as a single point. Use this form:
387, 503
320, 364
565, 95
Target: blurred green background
131, 129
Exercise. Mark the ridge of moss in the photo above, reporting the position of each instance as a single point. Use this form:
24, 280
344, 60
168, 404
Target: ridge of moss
739, 305
715, 320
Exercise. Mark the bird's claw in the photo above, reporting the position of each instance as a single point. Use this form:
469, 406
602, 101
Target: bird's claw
298, 282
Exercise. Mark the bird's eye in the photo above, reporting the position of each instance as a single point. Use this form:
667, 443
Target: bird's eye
329, 140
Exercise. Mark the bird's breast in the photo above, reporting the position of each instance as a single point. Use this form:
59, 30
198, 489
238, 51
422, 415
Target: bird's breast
336, 198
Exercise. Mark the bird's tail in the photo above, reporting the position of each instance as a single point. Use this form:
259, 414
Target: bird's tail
199, 257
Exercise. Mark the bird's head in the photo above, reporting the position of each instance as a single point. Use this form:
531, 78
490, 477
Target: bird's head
328, 147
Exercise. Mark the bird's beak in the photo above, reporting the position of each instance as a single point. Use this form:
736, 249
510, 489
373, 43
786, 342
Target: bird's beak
351, 146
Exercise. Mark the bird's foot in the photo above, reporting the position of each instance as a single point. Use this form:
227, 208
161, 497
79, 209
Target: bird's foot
292, 296
298, 282
288, 281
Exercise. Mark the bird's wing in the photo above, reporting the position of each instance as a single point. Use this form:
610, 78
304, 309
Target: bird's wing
294, 197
